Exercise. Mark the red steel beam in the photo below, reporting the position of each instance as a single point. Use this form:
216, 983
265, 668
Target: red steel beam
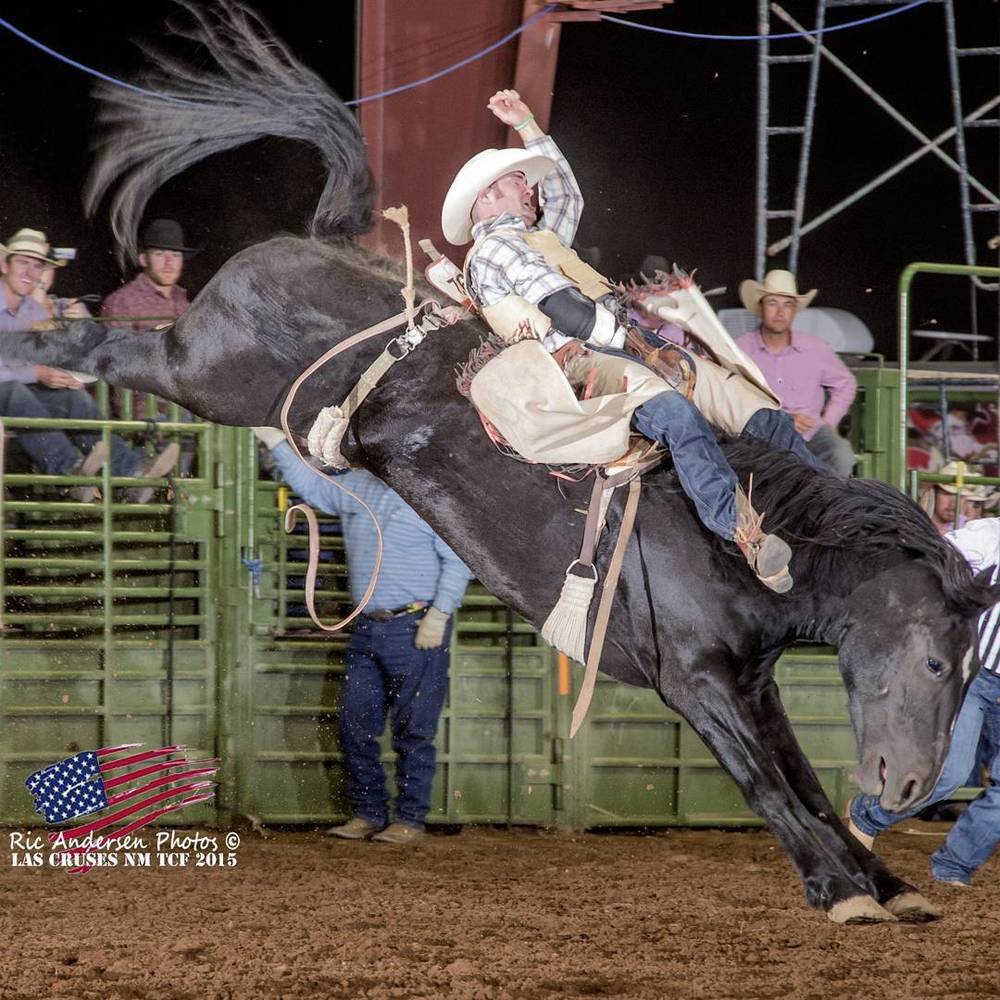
418, 139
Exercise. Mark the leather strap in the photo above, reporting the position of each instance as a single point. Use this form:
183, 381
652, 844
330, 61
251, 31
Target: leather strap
594, 521
290, 515
604, 608
597, 508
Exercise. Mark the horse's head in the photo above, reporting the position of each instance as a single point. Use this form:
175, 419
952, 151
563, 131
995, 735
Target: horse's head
873, 576
906, 658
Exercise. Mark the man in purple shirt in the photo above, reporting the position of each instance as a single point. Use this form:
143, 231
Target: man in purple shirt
28, 390
814, 385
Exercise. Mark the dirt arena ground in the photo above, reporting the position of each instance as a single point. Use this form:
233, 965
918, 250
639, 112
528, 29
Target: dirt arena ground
482, 914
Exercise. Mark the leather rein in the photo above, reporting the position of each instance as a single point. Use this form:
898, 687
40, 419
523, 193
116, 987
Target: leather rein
405, 343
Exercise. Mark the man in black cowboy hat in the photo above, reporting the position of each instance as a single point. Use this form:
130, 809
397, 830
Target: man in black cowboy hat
152, 298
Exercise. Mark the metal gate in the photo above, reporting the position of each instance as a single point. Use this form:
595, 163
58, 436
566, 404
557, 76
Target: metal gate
182, 621
108, 610
496, 736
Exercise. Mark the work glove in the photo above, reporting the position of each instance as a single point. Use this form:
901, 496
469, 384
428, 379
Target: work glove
270, 437
431, 630
665, 307
606, 333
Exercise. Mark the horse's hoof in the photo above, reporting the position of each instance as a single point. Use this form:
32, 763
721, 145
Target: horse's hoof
912, 908
859, 910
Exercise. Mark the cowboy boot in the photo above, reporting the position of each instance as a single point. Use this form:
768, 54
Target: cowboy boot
767, 555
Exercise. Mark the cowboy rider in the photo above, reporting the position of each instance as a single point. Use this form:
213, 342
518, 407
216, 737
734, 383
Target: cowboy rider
517, 258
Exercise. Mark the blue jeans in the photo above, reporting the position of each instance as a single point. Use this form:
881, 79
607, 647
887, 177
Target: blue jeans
829, 447
53, 451
386, 673
977, 831
705, 475
777, 429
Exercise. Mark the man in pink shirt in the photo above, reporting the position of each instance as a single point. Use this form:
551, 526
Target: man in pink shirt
153, 298
814, 385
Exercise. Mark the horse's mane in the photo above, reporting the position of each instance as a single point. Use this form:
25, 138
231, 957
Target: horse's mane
845, 531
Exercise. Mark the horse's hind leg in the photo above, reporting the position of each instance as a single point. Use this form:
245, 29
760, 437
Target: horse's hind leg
768, 766
120, 357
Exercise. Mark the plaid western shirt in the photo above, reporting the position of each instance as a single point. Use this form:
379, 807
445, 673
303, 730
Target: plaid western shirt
503, 264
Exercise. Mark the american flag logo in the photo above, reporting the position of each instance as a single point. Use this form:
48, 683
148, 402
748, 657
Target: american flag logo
82, 785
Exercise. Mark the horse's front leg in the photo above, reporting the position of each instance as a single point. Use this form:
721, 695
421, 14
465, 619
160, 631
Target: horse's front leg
727, 716
900, 898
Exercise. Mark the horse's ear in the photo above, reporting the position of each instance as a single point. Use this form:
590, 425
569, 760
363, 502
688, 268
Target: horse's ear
990, 592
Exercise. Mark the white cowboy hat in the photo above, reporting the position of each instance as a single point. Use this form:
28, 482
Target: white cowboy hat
30, 243
476, 175
979, 492
776, 282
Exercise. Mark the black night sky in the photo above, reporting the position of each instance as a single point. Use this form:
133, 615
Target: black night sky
661, 132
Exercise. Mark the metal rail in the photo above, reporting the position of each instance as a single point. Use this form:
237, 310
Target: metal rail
905, 280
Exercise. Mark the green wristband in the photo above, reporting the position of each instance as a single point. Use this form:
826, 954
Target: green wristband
523, 125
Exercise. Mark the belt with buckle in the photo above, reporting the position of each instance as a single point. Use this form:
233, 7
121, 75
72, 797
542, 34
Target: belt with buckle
387, 614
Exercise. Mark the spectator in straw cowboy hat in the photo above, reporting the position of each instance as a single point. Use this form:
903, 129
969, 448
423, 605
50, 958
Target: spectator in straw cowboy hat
945, 503
982, 503
153, 298
814, 385
29, 390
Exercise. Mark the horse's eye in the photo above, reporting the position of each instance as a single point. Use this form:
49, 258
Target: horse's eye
936, 667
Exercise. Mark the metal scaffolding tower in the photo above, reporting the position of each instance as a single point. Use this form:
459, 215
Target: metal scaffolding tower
979, 203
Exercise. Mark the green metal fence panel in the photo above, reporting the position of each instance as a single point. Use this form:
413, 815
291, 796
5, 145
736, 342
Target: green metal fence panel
108, 612
499, 765
873, 421
636, 763
183, 620
496, 738
906, 279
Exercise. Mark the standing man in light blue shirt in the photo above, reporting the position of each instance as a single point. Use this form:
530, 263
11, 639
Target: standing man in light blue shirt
397, 659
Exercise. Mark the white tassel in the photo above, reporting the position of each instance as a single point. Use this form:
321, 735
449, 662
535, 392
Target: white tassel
325, 436
566, 626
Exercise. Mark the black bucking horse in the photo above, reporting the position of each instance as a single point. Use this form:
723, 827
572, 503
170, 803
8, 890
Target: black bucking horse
689, 620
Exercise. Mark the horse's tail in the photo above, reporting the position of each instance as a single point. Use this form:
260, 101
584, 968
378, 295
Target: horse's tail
255, 88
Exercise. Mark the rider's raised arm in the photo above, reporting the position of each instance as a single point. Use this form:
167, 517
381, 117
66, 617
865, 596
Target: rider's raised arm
559, 197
